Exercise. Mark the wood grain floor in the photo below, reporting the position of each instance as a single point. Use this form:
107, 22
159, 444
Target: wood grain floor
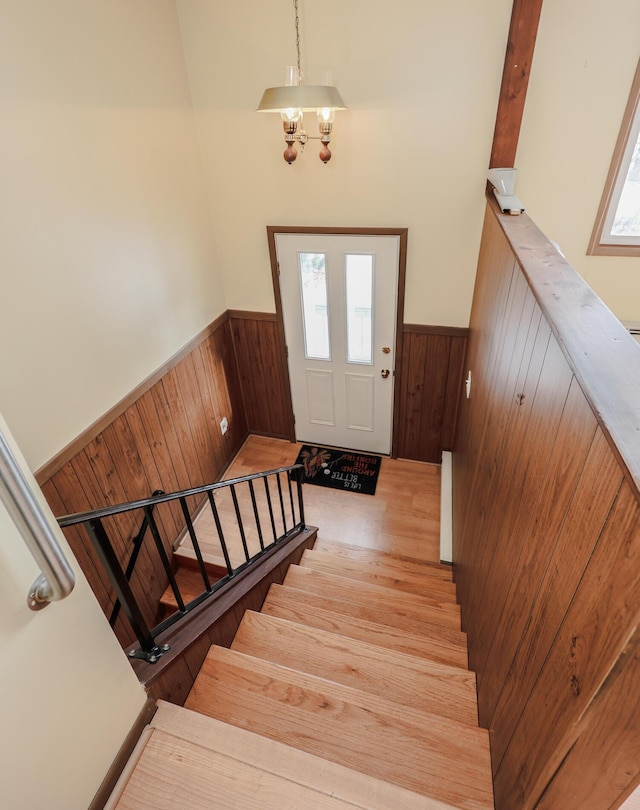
402, 518
350, 688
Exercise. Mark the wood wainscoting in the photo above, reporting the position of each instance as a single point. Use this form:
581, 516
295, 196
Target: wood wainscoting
165, 435
263, 372
431, 381
547, 527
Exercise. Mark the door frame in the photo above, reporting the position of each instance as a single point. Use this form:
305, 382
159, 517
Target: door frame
402, 234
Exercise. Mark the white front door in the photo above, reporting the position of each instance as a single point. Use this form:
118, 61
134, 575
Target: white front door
339, 297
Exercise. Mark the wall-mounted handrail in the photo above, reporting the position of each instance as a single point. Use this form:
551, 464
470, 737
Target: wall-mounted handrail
57, 578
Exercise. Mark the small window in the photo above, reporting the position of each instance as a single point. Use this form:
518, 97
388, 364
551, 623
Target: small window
617, 228
315, 315
359, 284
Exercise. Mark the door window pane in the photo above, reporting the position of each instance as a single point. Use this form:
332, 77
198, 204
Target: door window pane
359, 285
315, 317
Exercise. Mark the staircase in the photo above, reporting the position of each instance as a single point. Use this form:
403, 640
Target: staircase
349, 689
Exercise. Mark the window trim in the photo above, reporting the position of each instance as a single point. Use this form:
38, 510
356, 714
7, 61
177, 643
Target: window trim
598, 247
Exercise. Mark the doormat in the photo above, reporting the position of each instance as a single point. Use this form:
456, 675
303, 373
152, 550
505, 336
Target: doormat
339, 469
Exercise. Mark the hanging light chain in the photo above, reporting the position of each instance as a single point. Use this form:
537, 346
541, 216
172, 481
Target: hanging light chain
295, 5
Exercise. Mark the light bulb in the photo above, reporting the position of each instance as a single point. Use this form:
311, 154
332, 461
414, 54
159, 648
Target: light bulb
291, 114
326, 115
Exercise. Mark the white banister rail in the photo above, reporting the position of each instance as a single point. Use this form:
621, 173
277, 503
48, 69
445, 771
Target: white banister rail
57, 578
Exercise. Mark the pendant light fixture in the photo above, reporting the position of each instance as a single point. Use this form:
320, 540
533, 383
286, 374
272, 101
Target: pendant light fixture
295, 98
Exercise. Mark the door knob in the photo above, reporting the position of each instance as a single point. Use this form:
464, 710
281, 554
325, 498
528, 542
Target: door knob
385, 350
384, 373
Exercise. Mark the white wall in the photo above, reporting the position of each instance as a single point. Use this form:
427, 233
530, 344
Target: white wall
107, 260
421, 79
585, 59
68, 695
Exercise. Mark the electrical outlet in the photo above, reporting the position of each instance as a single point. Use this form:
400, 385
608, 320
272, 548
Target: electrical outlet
224, 425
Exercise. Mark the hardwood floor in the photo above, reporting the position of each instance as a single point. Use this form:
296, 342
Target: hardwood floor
349, 689
402, 518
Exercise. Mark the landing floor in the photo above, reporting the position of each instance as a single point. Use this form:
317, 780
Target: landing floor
403, 517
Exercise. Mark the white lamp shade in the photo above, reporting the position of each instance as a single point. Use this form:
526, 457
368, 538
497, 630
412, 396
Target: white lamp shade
302, 96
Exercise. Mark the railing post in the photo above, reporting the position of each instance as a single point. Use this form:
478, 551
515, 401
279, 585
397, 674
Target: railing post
149, 649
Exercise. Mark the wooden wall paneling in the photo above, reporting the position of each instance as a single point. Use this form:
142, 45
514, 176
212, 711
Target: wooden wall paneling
597, 346
87, 559
610, 739
179, 415
145, 448
164, 477
434, 388
224, 372
526, 464
493, 280
95, 470
455, 377
490, 388
411, 399
591, 639
189, 394
429, 387
174, 436
503, 424
66, 495
585, 518
523, 567
209, 415
167, 438
133, 484
263, 387
99, 477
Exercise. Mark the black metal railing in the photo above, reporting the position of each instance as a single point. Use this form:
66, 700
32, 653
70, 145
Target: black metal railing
241, 519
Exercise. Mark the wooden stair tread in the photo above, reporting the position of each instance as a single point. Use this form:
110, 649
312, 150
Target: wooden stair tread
426, 685
185, 556
190, 583
175, 773
430, 609
387, 558
378, 574
375, 626
425, 753
361, 790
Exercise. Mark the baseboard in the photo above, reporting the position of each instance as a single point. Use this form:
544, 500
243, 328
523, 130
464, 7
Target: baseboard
446, 509
122, 758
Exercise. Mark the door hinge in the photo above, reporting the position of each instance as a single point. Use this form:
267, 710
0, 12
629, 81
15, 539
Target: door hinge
278, 268
286, 351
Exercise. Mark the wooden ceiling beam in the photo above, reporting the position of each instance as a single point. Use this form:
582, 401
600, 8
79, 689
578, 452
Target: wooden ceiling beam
525, 17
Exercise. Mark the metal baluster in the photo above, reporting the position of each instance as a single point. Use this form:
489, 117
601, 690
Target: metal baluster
284, 520
240, 525
100, 540
196, 545
255, 512
273, 523
223, 544
166, 564
299, 478
137, 545
293, 511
